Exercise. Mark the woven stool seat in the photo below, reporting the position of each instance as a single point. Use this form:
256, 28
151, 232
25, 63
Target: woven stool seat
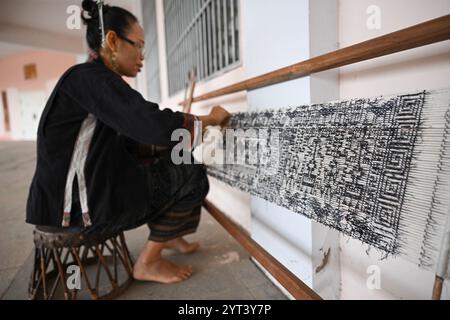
102, 265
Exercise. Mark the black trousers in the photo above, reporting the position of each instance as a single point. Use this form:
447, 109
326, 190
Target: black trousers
176, 194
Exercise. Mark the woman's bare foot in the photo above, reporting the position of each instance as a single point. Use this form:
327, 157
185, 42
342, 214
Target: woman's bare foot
150, 266
181, 245
162, 271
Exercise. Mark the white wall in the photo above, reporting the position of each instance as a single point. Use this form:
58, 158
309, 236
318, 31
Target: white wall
32, 104
14, 109
423, 68
25, 109
278, 34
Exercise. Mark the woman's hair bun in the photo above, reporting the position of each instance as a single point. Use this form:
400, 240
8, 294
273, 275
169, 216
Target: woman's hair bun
91, 8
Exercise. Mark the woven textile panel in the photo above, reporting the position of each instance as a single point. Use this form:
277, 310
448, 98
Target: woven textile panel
375, 169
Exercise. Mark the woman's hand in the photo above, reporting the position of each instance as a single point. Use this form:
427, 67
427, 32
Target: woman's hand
220, 116
217, 117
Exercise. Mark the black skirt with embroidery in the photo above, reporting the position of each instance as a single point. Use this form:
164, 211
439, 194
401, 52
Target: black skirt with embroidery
176, 193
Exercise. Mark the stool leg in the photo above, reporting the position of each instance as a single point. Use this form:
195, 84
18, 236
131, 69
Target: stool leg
43, 272
40, 272
105, 266
61, 273
126, 253
124, 257
84, 274
32, 286
58, 275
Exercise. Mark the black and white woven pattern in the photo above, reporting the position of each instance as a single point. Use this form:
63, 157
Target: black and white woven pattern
375, 169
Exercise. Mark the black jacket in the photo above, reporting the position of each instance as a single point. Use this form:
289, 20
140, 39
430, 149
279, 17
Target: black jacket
114, 180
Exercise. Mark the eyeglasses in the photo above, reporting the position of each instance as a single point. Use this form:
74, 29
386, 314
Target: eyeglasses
135, 44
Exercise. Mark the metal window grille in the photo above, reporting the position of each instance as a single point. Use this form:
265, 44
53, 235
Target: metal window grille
202, 34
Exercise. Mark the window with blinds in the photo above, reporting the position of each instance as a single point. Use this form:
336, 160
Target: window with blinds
203, 34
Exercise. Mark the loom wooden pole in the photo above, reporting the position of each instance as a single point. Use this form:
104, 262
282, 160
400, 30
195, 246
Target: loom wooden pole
437, 288
442, 265
191, 87
288, 280
423, 34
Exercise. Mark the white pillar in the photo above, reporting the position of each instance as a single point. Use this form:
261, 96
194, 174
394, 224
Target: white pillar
163, 71
140, 80
278, 34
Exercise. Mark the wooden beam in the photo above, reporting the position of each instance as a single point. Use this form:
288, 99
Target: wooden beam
286, 278
426, 33
437, 288
189, 94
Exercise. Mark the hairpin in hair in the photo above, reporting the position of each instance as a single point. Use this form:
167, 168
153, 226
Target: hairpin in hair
102, 26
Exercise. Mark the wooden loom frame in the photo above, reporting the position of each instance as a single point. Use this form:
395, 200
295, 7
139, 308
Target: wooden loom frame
429, 32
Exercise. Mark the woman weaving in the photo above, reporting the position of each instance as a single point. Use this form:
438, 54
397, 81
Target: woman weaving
89, 172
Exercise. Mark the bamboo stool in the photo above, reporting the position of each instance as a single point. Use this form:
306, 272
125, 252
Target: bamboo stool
56, 249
